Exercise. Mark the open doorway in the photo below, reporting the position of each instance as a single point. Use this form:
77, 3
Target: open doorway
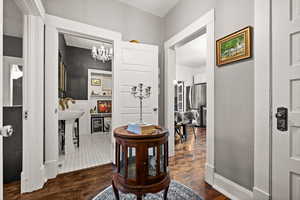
12, 92
203, 80
190, 88
85, 102
87, 82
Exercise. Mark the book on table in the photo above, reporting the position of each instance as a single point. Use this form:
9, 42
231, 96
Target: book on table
141, 128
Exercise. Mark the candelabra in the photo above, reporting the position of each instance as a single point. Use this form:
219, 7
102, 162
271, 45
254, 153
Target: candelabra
141, 94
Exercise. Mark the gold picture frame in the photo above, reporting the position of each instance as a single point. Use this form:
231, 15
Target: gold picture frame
234, 47
96, 82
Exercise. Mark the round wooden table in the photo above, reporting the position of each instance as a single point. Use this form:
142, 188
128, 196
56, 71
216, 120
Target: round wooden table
142, 162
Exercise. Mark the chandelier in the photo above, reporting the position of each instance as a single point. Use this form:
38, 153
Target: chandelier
103, 54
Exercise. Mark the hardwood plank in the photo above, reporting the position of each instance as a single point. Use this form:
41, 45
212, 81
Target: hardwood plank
187, 167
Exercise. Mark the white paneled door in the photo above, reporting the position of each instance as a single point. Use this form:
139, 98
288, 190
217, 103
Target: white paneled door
286, 100
139, 64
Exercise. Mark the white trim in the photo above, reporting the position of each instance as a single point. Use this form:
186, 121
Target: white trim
260, 195
98, 71
31, 7
81, 29
209, 173
8, 61
54, 26
32, 177
231, 189
13, 60
263, 100
204, 22
51, 169
191, 29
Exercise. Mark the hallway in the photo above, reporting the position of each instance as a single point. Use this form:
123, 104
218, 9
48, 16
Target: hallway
187, 167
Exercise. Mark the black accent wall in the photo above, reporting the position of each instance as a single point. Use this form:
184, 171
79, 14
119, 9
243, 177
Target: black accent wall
12, 46
77, 62
12, 146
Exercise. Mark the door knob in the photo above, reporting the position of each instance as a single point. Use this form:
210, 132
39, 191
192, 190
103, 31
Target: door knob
6, 131
155, 109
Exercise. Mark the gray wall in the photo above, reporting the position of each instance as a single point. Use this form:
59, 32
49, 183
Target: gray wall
114, 15
234, 92
12, 19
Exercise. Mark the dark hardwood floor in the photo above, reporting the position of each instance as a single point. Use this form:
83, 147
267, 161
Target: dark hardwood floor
187, 167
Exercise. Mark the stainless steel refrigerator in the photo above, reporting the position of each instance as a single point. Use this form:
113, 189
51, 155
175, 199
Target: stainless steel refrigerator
196, 101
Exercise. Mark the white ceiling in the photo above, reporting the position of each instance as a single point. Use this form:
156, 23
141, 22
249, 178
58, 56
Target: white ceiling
156, 7
75, 41
193, 53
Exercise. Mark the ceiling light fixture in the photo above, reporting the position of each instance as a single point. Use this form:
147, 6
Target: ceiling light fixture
103, 54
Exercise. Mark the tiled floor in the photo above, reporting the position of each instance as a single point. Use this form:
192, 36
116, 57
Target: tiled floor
94, 150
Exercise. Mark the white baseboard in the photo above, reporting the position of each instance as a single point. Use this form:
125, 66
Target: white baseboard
51, 169
209, 174
231, 189
29, 186
259, 194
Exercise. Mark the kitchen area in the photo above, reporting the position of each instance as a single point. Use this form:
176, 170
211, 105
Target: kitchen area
190, 89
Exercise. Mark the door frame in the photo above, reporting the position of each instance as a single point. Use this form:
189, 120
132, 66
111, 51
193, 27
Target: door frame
61, 25
262, 100
32, 176
206, 22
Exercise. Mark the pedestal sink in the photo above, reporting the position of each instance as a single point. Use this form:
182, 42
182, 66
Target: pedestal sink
69, 116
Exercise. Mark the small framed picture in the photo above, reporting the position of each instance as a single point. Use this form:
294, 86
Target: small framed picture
96, 82
234, 47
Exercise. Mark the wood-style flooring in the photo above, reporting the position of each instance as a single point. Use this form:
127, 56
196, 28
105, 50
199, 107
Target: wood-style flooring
187, 167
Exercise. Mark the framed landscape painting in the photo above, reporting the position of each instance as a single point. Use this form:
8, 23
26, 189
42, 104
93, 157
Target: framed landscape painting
234, 47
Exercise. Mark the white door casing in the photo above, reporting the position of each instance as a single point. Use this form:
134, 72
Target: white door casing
32, 176
54, 26
139, 64
205, 22
286, 93
51, 101
8, 62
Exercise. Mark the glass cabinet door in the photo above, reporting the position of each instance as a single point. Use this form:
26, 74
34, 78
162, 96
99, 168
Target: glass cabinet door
162, 158
122, 161
152, 161
131, 162
128, 154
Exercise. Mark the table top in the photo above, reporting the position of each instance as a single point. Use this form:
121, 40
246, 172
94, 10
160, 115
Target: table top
124, 133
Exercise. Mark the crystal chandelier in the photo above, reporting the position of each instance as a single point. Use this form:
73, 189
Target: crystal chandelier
103, 54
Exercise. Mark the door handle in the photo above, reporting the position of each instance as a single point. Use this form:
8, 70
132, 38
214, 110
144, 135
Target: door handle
155, 109
6, 131
282, 119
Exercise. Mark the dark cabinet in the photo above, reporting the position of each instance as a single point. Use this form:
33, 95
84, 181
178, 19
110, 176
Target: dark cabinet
142, 162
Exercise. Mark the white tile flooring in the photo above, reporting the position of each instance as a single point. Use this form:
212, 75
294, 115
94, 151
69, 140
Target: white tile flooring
94, 150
